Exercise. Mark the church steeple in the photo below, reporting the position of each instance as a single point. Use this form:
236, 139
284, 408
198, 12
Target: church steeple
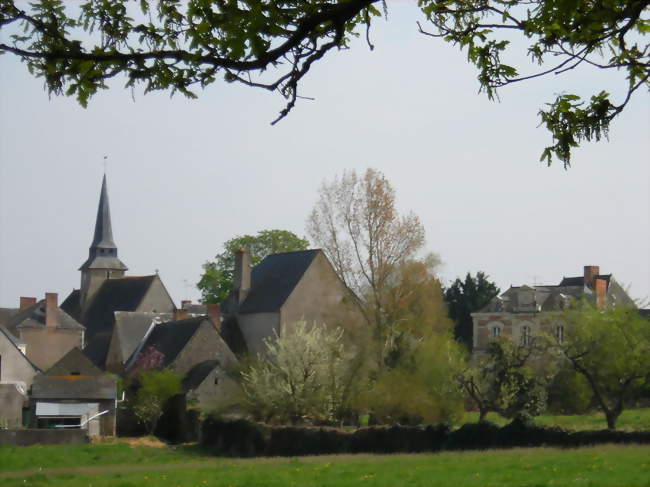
102, 262
103, 232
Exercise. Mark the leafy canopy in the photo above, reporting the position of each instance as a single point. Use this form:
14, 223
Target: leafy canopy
301, 377
466, 297
269, 44
611, 348
217, 278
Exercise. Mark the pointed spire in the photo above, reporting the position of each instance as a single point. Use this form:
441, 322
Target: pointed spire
103, 251
103, 230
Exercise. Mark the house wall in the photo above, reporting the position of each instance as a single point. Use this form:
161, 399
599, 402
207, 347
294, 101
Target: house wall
222, 397
14, 367
157, 299
511, 326
255, 327
206, 344
11, 406
114, 359
45, 346
320, 297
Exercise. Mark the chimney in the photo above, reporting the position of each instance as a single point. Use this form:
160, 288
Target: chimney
181, 314
600, 286
51, 311
242, 277
591, 271
186, 303
214, 312
26, 302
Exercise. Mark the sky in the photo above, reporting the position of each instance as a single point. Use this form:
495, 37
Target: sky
185, 175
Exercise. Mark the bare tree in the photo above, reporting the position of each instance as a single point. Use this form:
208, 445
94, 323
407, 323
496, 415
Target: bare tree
357, 225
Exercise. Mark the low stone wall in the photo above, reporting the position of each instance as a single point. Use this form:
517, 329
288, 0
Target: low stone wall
27, 437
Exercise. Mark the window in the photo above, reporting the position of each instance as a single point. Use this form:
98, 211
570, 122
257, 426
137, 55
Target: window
496, 331
559, 333
525, 335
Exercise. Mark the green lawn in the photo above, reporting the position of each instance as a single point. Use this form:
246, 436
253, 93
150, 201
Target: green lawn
533, 467
630, 420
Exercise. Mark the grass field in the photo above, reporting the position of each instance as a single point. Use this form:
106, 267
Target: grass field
630, 420
125, 466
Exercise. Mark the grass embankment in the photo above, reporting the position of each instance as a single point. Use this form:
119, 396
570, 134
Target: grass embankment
630, 420
533, 467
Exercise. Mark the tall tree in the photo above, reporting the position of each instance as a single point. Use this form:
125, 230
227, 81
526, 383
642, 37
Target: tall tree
466, 297
217, 278
357, 225
171, 45
611, 348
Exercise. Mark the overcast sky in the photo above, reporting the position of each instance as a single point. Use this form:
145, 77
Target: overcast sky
186, 175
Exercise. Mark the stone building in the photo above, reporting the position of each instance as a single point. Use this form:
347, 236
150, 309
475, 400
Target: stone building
74, 393
522, 312
281, 290
46, 331
16, 377
106, 290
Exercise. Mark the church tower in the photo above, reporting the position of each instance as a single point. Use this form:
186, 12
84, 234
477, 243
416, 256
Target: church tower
102, 260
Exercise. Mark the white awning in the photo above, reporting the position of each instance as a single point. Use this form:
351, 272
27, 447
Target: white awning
65, 409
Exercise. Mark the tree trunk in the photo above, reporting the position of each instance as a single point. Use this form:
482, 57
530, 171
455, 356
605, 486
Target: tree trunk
612, 417
482, 414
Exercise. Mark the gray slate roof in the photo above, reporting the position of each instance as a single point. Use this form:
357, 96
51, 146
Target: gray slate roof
6, 314
103, 251
74, 362
274, 279
74, 387
131, 327
170, 338
198, 373
124, 294
34, 317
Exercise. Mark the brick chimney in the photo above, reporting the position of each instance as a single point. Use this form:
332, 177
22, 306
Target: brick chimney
51, 311
242, 277
214, 312
591, 271
26, 302
181, 314
186, 303
600, 287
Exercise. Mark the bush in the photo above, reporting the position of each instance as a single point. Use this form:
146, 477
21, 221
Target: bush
569, 392
244, 439
237, 438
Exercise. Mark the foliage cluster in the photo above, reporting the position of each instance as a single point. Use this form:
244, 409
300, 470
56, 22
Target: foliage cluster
272, 45
217, 278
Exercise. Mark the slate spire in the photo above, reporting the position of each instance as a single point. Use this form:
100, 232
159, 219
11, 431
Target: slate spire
103, 251
103, 231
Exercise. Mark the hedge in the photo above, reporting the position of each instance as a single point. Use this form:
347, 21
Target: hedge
246, 439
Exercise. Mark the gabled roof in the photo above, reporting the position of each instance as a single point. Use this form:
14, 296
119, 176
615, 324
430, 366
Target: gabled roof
123, 294
16, 343
132, 326
232, 335
170, 338
274, 279
6, 314
75, 362
198, 373
74, 387
34, 317
580, 280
